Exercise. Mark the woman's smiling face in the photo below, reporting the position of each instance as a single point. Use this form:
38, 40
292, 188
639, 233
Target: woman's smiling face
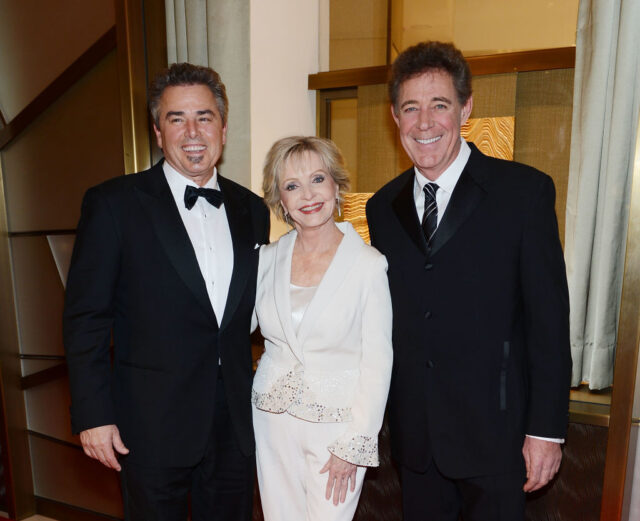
307, 191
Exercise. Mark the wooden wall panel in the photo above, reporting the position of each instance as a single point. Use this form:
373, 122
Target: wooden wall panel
65, 474
48, 410
75, 144
39, 296
32, 51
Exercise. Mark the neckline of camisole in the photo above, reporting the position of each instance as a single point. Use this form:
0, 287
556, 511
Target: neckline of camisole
295, 286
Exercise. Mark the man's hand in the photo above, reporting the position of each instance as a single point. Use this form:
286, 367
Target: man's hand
543, 461
99, 442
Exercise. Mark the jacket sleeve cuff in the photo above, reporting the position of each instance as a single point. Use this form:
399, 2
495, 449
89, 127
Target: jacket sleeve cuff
358, 449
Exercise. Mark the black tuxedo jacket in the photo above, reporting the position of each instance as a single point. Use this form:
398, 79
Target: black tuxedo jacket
480, 320
134, 275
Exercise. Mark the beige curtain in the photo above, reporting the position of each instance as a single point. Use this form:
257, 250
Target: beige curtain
215, 33
605, 117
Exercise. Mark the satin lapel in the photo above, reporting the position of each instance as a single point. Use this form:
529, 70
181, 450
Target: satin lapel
282, 289
243, 248
466, 196
156, 198
333, 278
404, 206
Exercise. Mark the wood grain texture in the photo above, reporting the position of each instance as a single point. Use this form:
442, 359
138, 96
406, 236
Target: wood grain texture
493, 136
353, 211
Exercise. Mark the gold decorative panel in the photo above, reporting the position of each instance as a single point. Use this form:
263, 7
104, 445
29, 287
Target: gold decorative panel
493, 136
353, 210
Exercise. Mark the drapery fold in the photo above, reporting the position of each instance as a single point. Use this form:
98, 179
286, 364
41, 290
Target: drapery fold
605, 120
215, 33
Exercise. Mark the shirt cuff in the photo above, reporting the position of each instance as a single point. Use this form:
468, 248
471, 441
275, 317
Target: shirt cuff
554, 440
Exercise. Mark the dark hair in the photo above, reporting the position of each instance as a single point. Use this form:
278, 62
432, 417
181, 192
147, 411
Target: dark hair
430, 56
183, 74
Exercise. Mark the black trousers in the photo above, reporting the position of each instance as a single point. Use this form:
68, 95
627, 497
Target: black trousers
220, 485
431, 496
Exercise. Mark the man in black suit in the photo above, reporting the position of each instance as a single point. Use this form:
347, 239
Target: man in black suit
165, 261
479, 396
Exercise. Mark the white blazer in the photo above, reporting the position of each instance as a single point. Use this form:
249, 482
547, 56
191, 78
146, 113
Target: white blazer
337, 368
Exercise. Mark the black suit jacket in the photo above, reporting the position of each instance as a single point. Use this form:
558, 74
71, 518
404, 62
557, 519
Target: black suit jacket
480, 321
134, 275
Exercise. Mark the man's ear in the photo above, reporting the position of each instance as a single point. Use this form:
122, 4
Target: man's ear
466, 110
394, 116
158, 134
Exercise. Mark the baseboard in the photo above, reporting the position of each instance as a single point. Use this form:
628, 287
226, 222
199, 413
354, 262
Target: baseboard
65, 512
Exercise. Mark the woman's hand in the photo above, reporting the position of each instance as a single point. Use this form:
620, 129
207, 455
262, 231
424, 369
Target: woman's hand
340, 472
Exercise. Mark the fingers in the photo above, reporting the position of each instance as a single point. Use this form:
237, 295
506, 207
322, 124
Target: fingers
98, 444
339, 487
540, 476
542, 459
118, 444
340, 473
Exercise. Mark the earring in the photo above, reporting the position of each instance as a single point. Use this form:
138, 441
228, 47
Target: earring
338, 205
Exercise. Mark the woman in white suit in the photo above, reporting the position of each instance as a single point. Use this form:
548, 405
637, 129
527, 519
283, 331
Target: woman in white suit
324, 309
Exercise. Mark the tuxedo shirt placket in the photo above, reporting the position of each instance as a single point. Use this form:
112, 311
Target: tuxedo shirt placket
208, 231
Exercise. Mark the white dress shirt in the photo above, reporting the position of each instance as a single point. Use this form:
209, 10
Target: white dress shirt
208, 230
446, 183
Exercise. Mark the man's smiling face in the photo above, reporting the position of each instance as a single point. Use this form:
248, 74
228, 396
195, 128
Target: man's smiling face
429, 116
190, 131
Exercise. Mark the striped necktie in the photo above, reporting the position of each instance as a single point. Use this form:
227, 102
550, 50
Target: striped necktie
430, 215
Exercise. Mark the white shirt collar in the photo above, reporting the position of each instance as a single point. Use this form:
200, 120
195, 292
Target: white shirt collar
448, 179
178, 182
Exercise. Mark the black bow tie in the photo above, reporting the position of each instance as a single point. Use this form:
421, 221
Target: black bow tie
192, 193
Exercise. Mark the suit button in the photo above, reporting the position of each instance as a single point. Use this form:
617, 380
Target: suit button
427, 314
428, 266
430, 364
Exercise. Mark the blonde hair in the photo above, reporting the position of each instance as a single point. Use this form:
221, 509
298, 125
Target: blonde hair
294, 147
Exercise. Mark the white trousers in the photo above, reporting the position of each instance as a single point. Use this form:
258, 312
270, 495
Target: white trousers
289, 454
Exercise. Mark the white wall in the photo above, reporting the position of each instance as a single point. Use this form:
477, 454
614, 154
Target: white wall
284, 51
